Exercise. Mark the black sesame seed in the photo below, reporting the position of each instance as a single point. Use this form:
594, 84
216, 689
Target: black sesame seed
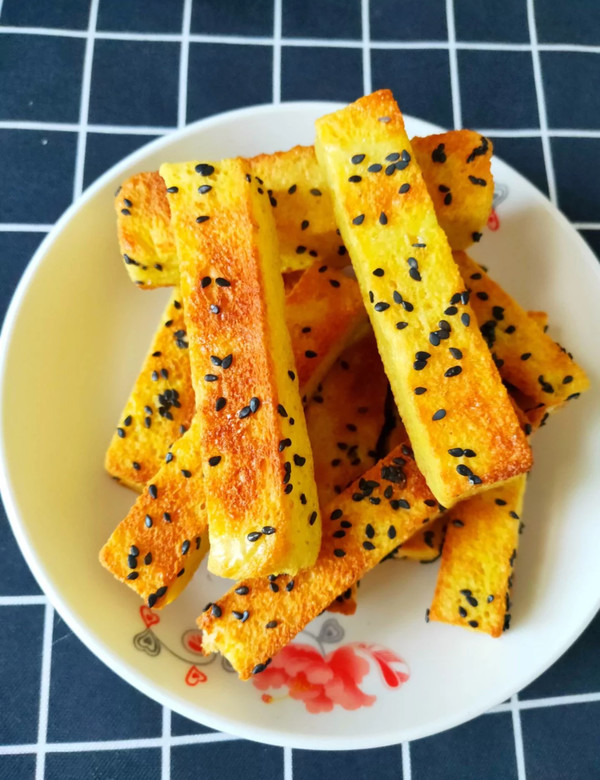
148, 521
202, 219
214, 460
358, 220
381, 306
281, 410
186, 473
220, 403
302, 499
259, 667
121, 433
473, 623
475, 180
456, 353
133, 576
204, 169
458, 523
453, 371
368, 545
339, 553
274, 587
153, 490
404, 189
206, 280
390, 169
268, 530
292, 189
210, 378
214, 309
254, 536
451, 310
383, 220
315, 192
216, 610
369, 531
299, 460
375, 168
312, 519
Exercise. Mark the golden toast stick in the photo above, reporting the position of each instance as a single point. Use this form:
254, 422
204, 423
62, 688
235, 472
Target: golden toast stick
261, 497
160, 407
526, 356
457, 173
478, 559
446, 386
357, 534
302, 207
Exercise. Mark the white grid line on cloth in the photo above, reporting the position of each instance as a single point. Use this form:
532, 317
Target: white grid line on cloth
217, 736
541, 101
518, 736
22, 601
165, 748
406, 763
74, 127
288, 764
258, 40
86, 83
116, 744
366, 47
40, 764
453, 59
276, 75
184, 57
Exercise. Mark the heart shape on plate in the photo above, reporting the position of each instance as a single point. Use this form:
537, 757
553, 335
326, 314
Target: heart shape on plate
150, 618
147, 642
195, 676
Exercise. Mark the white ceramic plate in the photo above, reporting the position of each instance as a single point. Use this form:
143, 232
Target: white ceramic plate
72, 343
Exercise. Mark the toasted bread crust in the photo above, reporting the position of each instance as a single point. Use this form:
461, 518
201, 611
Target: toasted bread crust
530, 360
144, 232
375, 531
345, 418
384, 226
479, 554
456, 167
260, 491
160, 407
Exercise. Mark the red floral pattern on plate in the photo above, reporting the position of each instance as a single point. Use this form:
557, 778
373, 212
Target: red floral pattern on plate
322, 681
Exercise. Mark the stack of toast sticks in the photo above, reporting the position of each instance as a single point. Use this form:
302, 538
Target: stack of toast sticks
334, 381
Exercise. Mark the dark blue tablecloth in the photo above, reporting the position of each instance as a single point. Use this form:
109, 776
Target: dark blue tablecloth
84, 83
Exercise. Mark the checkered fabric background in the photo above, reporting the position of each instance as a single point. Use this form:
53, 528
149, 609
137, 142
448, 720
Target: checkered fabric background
82, 84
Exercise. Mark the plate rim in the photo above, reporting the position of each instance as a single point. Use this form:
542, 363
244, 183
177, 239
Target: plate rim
130, 673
